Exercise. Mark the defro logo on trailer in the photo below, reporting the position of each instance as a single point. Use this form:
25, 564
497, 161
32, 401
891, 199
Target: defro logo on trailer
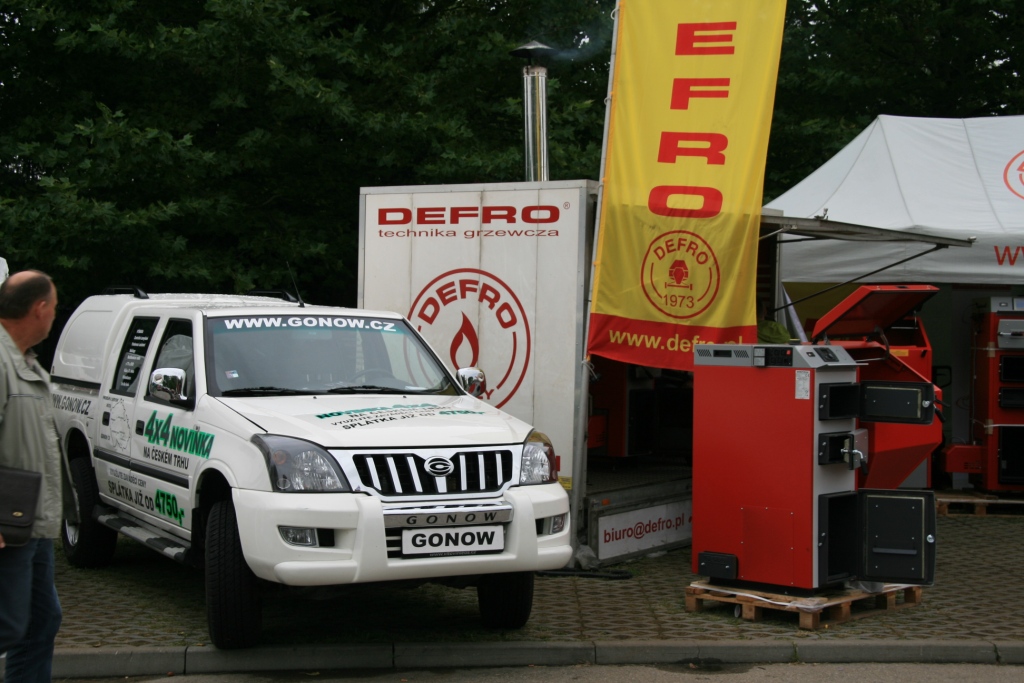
482, 322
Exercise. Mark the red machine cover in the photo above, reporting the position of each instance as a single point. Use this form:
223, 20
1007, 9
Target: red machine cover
872, 307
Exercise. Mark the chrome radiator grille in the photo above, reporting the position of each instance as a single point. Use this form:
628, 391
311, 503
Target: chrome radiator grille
410, 474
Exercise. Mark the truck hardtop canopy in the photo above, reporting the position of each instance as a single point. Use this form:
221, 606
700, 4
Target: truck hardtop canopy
86, 335
223, 304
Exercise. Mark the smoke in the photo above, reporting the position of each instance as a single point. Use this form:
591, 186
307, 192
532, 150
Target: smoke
591, 45
588, 42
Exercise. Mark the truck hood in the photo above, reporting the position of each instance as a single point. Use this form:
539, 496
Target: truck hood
346, 421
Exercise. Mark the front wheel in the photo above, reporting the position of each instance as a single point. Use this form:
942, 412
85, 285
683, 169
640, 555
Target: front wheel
505, 600
87, 543
234, 610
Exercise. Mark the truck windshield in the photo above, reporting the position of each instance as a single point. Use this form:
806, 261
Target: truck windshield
268, 355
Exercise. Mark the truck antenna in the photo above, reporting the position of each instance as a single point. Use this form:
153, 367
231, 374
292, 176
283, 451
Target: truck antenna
298, 296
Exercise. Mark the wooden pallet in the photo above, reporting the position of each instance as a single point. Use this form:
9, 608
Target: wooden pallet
980, 504
816, 612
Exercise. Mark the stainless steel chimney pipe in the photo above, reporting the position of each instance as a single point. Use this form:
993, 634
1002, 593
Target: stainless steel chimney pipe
535, 108
535, 111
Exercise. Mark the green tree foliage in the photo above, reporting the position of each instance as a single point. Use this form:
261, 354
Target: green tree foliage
189, 145
186, 145
845, 62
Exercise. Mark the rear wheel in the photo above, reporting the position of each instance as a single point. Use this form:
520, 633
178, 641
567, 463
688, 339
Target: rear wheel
87, 543
505, 600
234, 609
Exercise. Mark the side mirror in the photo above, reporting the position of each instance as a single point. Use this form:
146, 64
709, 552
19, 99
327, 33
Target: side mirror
168, 384
473, 381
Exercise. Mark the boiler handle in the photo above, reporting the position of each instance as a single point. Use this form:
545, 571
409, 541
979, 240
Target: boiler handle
854, 458
894, 551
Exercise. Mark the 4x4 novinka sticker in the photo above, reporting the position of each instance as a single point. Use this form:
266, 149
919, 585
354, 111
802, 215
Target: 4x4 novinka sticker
466, 304
191, 441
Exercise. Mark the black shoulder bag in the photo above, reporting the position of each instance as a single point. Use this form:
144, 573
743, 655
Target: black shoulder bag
19, 496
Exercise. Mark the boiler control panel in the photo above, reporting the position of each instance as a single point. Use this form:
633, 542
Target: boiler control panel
773, 356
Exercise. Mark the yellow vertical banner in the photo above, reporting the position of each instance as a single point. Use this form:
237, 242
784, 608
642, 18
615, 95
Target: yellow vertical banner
693, 84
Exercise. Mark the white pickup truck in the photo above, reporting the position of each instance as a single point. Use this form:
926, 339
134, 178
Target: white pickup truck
270, 441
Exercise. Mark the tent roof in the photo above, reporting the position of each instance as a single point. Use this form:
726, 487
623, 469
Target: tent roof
924, 178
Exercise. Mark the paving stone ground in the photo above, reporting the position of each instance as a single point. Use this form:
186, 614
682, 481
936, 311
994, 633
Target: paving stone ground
144, 599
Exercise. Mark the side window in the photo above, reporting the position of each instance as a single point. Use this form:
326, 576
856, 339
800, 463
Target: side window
175, 353
133, 354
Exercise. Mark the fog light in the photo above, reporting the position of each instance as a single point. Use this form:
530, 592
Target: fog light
294, 535
558, 523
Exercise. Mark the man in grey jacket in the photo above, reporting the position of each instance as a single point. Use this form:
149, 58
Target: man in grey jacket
30, 613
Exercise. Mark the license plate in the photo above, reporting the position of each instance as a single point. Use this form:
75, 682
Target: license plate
459, 540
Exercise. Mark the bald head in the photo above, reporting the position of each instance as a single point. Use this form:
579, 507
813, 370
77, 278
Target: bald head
21, 290
28, 305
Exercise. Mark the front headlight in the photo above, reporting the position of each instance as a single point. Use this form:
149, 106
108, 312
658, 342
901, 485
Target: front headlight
299, 466
539, 464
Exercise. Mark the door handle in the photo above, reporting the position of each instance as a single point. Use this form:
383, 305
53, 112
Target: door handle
140, 427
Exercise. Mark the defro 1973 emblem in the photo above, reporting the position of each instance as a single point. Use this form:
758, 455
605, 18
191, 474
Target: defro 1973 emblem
680, 274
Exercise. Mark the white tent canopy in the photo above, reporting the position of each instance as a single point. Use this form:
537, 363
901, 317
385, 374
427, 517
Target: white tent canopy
953, 178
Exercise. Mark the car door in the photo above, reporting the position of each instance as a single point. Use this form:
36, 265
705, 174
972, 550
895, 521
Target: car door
112, 450
167, 443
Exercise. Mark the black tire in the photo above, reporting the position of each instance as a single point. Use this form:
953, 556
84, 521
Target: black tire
505, 600
87, 543
234, 609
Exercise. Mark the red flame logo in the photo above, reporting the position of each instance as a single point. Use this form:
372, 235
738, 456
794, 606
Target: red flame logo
465, 334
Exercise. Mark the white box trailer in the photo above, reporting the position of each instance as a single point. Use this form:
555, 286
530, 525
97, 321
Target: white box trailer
497, 276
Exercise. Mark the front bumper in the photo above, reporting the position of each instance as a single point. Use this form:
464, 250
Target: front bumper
360, 552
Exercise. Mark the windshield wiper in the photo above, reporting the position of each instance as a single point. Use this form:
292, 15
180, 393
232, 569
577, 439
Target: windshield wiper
366, 388
279, 391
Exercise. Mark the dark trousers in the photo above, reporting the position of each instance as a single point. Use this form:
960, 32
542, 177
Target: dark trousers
30, 612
